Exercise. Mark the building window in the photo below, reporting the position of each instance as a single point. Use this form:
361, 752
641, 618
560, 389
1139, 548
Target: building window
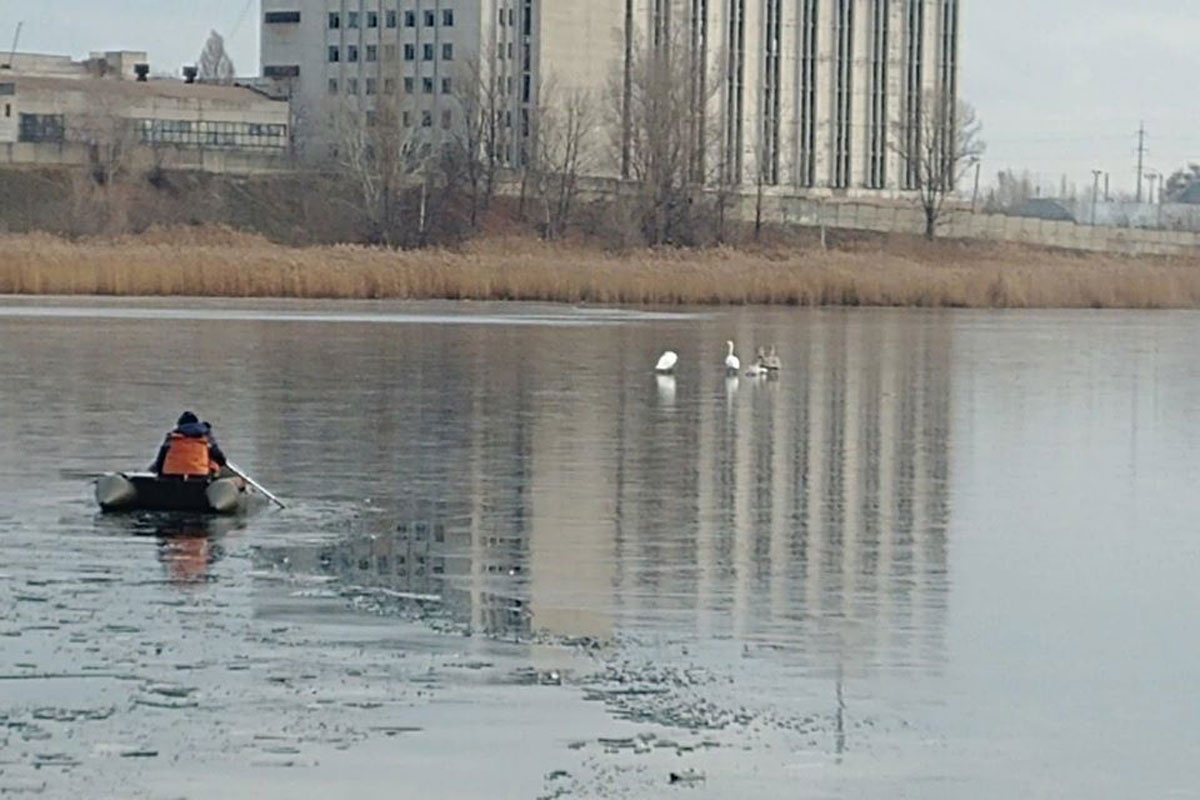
448, 18
255, 135
370, 86
281, 17
447, 86
372, 119
281, 71
335, 55
389, 85
42, 128
372, 52
410, 19
352, 53
502, 18
335, 20
372, 19
430, 19
426, 119
410, 52
447, 52
391, 19
427, 85
352, 19
409, 85
427, 52
389, 53
8, 110
351, 85
333, 85
446, 118
512, 18
408, 119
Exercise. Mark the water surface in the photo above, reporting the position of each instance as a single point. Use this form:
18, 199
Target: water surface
945, 554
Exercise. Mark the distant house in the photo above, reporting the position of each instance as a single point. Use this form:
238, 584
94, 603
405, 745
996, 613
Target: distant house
1043, 208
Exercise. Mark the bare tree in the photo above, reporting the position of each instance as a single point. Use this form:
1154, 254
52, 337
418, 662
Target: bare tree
938, 142
215, 66
109, 137
659, 139
386, 153
566, 126
479, 136
1180, 182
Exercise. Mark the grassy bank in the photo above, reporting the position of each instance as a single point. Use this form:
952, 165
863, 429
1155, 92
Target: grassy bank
223, 263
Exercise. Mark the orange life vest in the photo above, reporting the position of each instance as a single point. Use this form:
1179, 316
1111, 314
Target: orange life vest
187, 456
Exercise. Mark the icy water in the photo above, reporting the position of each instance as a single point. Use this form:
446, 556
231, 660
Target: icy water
944, 555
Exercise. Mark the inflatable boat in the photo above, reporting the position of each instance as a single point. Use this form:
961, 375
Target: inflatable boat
145, 491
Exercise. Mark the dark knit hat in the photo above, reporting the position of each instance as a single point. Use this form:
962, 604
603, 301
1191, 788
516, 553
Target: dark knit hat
187, 418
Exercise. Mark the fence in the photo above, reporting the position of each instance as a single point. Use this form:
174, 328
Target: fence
962, 224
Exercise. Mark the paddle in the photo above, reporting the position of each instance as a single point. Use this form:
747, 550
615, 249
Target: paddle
238, 471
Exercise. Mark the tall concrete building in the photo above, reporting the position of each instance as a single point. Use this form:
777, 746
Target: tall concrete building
806, 95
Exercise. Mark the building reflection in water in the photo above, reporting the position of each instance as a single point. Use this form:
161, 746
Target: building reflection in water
806, 514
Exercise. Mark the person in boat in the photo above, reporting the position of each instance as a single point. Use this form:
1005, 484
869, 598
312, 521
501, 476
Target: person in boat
189, 451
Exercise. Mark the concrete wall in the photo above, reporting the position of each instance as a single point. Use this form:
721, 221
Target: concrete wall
908, 219
218, 162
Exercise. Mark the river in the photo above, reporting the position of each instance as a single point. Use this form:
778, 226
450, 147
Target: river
944, 554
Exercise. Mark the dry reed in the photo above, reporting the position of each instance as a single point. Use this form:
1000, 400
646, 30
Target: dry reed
226, 263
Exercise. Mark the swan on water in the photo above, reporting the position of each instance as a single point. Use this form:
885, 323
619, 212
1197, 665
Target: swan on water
667, 362
732, 363
772, 361
759, 368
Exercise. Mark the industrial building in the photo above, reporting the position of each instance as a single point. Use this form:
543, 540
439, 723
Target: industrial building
803, 95
107, 112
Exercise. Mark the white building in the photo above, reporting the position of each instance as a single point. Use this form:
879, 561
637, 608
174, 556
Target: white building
107, 112
807, 93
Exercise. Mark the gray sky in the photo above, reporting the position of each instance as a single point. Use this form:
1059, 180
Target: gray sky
1060, 85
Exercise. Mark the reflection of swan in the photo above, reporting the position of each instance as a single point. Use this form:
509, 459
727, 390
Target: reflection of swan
666, 388
666, 363
732, 363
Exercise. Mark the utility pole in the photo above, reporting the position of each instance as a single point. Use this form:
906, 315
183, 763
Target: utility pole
975, 193
1106, 198
1096, 173
1141, 158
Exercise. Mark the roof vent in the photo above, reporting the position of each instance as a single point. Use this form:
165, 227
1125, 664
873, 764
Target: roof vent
142, 71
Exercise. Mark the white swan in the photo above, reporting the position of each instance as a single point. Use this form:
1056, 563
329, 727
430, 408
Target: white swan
667, 362
732, 363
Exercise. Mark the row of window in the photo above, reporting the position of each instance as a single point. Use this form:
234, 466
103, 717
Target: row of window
370, 53
53, 128
391, 19
213, 134
371, 86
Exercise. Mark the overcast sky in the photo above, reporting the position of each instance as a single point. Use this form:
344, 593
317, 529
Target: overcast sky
1060, 85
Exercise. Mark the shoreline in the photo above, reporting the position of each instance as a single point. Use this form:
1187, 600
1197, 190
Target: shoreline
222, 263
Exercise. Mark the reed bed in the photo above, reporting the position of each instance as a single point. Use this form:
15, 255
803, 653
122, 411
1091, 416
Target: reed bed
224, 263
